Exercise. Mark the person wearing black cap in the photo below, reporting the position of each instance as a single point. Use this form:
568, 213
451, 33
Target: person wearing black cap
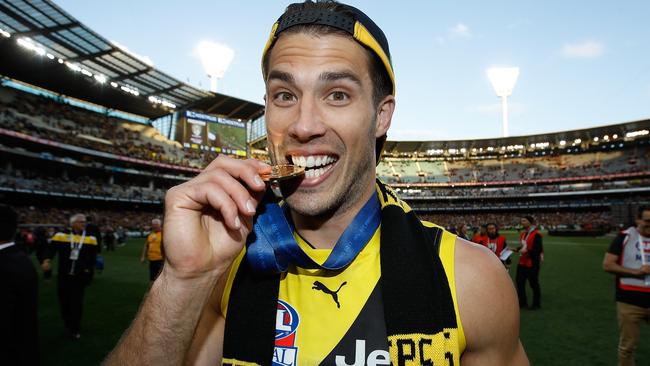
18, 304
531, 253
342, 271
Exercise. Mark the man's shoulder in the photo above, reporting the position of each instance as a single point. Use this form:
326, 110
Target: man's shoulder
482, 283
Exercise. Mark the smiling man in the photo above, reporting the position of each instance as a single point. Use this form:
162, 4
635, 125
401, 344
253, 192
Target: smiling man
342, 272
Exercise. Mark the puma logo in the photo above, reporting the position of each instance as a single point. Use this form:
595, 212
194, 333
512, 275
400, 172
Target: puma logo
319, 286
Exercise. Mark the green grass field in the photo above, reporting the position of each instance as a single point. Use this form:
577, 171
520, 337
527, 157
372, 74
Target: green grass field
576, 325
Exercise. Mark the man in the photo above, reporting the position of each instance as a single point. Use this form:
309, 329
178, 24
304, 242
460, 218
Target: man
481, 235
531, 251
153, 250
298, 294
18, 304
77, 251
628, 258
109, 238
495, 242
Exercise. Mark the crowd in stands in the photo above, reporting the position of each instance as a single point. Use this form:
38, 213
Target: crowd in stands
83, 185
547, 220
515, 169
54, 120
138, 221
518, 190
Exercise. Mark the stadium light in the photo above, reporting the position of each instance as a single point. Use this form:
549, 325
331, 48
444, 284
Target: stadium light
216, 58
503, 81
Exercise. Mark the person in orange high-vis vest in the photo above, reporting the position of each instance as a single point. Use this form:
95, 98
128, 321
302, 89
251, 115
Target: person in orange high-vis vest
531, 252
153, 250
495, 242
628, 257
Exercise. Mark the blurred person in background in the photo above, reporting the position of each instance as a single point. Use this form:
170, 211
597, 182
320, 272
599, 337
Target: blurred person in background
109, 238
462, 232
153, 249
496, 242
531, 251
628, 257
77, 250
18, 304
481, 235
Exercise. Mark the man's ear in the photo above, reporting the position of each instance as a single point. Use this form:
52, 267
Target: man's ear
384, 115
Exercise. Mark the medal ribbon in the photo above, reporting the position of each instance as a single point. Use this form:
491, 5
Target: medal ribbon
273, 247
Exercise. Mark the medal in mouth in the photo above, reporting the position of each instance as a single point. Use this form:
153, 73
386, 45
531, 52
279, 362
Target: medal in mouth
283, 172
280, 174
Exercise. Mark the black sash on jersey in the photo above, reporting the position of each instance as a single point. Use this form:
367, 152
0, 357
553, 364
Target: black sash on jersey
415, 290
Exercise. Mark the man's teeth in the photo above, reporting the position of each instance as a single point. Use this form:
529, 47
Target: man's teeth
315, 165
312, 161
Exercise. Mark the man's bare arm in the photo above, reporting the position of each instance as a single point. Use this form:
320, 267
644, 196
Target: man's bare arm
207, 220
488, 308
162, 332
610, 264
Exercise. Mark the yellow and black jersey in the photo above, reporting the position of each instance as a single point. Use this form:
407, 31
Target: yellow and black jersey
337, 318
61, 245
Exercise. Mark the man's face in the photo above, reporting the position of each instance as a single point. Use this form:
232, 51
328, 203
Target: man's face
320, 114
492, 231
79, 225
525, 223
643, 223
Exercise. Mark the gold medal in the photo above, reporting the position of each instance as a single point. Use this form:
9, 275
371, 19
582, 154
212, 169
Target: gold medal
281, 173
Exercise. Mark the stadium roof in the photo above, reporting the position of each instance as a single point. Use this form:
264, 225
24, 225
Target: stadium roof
554, 138
43, 45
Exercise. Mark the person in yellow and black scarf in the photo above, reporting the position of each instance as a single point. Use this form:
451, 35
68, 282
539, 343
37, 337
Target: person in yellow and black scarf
77, 252
338, 270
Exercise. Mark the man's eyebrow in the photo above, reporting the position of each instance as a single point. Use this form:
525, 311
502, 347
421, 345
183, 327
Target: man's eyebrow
339, 75
282, 76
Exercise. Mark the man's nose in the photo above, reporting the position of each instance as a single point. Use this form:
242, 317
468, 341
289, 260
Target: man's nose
309, 124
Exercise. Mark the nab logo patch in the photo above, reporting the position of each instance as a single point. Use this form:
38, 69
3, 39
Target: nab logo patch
286, 323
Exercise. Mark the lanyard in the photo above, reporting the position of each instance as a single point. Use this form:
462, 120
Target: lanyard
524, 241
73, 245
273, 247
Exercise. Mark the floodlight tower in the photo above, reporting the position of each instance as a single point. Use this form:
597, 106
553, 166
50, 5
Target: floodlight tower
216, 58
503, 81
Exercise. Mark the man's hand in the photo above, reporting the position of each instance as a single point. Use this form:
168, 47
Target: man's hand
644, 270
45, 266
208, 218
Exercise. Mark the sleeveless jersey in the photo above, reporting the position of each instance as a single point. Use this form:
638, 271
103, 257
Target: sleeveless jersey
337, 318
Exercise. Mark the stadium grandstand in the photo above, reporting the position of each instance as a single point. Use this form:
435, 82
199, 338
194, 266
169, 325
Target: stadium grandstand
85, 123
88, 126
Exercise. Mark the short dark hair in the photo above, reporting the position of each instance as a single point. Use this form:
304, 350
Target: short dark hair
529, 218
640, 211
381, 82
8, 223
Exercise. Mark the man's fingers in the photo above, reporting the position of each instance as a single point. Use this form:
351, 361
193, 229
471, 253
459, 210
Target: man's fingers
247, 171
212, 195
245, 199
